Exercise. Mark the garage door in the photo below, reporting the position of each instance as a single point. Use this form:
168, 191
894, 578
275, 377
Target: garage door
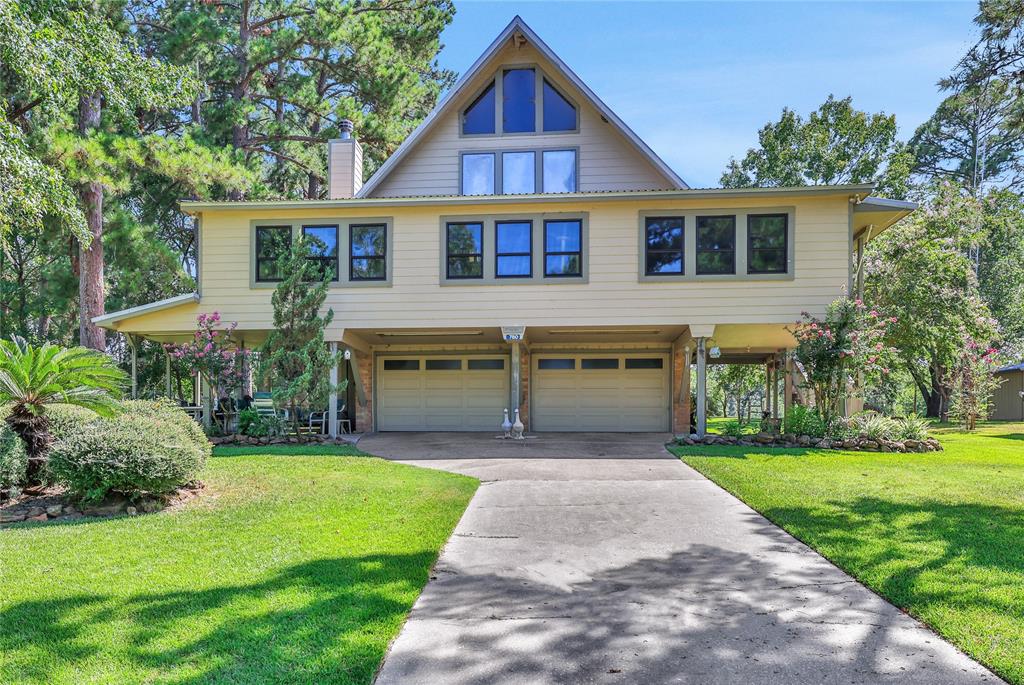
601, 392
442, 393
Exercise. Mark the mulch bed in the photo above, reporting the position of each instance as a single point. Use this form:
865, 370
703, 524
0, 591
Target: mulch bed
861, 444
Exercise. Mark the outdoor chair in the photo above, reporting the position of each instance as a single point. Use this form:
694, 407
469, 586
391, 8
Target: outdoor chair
318, 419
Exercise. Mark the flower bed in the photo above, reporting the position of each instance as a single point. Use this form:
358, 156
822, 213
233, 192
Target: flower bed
861, 443
240, 439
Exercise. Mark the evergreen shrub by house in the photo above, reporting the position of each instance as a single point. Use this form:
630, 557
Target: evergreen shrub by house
148, 448
13, 458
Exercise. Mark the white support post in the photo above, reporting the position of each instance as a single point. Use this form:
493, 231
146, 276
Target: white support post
702, 388
787, 401
517, 374
332, 402
167, 373
205, 391
768, 385
135, 365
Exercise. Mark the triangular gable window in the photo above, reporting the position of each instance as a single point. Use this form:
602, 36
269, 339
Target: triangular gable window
479, 116
559, 113
522, 111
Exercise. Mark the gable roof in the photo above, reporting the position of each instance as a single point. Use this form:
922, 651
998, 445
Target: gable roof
517, 25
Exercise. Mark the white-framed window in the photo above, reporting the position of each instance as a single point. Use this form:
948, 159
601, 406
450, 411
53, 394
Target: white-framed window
519, 172
519, 100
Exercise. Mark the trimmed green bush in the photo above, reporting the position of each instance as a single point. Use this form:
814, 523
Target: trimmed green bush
912, 427
801, 420
13, 458
149, 448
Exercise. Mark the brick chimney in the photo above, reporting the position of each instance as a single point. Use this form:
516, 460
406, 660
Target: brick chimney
344, 164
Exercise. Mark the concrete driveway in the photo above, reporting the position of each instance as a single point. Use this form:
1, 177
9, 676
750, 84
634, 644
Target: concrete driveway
574, 565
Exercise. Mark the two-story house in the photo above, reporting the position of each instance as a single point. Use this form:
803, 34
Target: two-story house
524, 248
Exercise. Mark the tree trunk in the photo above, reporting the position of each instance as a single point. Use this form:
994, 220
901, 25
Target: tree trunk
34, 432
240, 93
90, 275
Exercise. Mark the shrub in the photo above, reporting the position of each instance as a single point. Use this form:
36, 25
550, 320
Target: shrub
253, 424
733, 429
875, 426
912, 427
13, 458
801, 420
150, 447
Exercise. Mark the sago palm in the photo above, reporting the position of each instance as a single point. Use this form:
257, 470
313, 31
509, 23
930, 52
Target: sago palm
33, 377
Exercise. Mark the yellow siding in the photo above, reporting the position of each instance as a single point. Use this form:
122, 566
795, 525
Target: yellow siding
614, 294
607, 160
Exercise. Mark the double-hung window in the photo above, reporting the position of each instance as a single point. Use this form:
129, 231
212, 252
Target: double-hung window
513, 249
716, 245
273, 244
663, 238
322, 242
465, 250
563, 248
767, 243
368, 252
559, 171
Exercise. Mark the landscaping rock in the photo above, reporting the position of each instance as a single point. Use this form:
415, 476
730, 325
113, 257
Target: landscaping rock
110, 507
54, 510
803, 440
12, 516
131, 511
40, 517
764, 438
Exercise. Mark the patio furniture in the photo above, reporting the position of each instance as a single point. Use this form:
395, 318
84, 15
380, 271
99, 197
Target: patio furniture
318, 419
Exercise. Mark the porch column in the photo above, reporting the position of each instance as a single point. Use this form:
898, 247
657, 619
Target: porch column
332, 401
702, 388
517, 378
787, 400
684, 389
246, 388
204, 391
167, 373
768, 385
135, 365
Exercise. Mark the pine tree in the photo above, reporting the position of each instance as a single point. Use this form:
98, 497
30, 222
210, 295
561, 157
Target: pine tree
295, 357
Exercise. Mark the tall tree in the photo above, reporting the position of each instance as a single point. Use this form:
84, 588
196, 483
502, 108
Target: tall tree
973, 139
1001, 263
65, 60
835, 144
920, 272
281, 74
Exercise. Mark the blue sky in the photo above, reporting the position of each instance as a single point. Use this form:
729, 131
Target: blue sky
696, 80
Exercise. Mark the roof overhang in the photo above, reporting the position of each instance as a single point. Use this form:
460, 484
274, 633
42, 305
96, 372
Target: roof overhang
854, 190
110, 320
453, 96
872, 215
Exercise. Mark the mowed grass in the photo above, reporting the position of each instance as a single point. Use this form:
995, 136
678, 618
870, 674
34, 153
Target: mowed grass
290, 569
940, 534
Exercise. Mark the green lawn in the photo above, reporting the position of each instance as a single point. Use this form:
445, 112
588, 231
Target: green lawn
940, 534
290, 569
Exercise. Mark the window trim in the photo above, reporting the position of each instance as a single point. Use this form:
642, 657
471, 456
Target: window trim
256, 250
690, 243
344, 246
698, 250
561, 253
448, 254
384, 257
575, 171
337, 244
490, 248
498, 254
647, 250
785, 244
499, 95
501, 172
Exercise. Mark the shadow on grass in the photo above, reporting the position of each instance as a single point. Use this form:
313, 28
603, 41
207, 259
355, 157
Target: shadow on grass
1010, 436
325, 620
971, 553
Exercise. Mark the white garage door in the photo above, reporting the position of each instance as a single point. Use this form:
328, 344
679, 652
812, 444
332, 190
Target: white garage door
442, 393
601, 392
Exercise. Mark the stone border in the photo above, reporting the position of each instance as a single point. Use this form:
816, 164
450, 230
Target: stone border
858, 444
51, 504
239, 440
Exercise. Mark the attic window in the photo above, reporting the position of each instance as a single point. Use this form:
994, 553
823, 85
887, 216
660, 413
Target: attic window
559, 113
479, 116
530, 102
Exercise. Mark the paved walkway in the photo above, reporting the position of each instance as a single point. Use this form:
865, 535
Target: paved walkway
636, 569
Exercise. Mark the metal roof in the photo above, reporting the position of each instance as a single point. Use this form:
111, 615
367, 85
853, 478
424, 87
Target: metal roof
1012, 367
457, 91
554, 198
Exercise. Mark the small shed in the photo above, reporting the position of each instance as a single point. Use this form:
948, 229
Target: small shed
1008, 400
